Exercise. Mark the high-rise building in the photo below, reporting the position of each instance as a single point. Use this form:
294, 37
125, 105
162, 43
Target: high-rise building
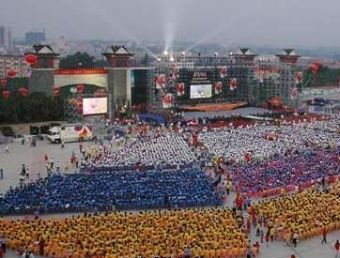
35, 37
5, 37
2, 36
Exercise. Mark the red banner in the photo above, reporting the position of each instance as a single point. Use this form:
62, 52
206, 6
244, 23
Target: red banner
81, 71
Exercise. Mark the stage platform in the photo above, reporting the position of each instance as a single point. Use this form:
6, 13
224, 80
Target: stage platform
213, 107
243, 111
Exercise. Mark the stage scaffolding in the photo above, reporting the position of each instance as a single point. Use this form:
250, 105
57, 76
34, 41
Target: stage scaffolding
258, 79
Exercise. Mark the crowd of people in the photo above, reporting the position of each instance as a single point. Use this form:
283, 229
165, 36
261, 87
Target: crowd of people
169, 149
102, 190
162, 168
304, 168
195, 232
300, 215
233, 144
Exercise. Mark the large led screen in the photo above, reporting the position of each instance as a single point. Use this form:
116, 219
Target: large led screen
200, 91
94, 106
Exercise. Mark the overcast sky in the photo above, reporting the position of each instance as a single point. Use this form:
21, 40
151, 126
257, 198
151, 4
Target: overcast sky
263, 22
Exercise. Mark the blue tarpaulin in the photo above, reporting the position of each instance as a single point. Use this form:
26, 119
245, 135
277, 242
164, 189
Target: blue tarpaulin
147, 117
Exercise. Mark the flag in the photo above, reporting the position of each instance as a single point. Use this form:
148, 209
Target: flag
294, 93
233, 84
261, 74
223, 72
174, 73
218, 87
298, 77
167, 100
180, 89
160, 81
29, 72
248, 157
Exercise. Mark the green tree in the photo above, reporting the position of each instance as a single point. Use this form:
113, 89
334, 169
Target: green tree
325, 76
13, 84
79, 59
36, 107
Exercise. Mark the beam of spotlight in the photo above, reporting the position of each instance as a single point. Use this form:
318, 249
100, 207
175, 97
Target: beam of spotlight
94, 10
209, 36
170, 23
204, 39
173, 18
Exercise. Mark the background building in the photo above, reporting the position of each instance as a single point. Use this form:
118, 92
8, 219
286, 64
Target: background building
15, 63
5, 38
35, 37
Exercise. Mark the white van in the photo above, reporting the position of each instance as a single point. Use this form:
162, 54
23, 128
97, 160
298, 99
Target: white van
70, 133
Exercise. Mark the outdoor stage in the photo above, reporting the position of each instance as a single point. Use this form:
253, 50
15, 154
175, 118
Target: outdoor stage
213, 107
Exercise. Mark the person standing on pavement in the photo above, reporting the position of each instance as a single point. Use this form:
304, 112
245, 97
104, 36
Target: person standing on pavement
324, 235
295, 238
23, 170
51, 163
3, 246
337, 248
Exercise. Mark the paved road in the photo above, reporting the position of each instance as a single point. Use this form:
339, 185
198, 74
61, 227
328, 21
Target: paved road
33, 158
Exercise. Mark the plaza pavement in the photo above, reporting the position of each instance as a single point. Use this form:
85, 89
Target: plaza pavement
33, 158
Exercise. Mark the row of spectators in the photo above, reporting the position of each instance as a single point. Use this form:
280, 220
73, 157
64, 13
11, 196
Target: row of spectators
107, 190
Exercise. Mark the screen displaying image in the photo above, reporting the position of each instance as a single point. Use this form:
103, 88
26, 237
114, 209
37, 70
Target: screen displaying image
93, 106
200, 91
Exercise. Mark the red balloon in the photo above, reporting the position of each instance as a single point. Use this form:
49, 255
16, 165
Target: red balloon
23, 91
31, 59
11, 73
80, 88
6, 94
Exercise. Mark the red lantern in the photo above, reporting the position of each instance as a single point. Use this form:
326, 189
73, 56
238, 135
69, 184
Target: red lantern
6, 94
276, 102
3, 83
56, 91
11, 73
80, 88
31, 59
23, 91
